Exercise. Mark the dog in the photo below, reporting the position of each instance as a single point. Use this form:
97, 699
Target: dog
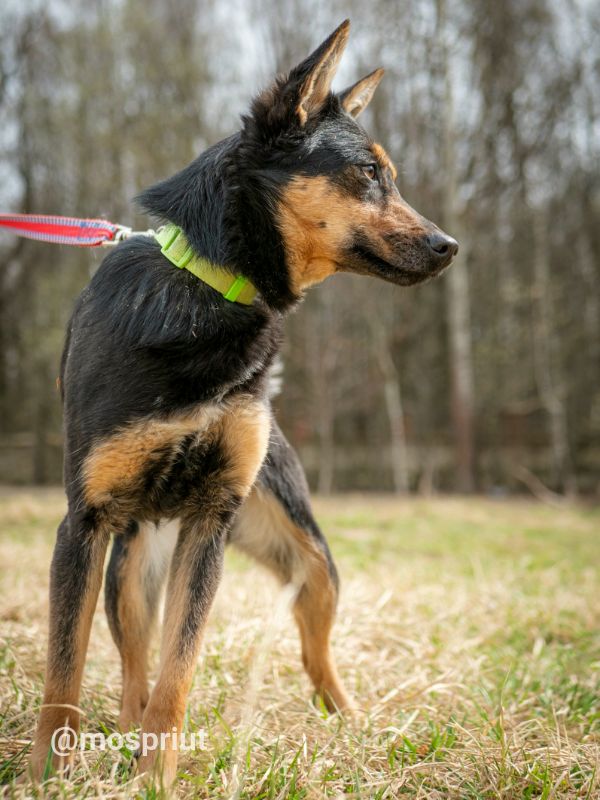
165, 388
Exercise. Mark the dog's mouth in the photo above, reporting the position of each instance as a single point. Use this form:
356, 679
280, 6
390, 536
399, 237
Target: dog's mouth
409, 270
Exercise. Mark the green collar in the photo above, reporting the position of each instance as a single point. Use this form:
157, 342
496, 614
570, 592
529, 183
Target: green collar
175, 246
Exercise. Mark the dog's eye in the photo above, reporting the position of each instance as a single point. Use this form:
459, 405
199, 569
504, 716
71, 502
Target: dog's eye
370, 170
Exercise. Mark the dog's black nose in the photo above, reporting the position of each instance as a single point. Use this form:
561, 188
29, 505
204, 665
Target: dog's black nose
443, 248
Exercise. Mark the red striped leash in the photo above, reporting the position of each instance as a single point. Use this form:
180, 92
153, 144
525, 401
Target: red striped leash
69, 230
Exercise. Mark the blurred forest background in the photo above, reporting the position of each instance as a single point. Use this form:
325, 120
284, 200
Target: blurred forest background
487, 379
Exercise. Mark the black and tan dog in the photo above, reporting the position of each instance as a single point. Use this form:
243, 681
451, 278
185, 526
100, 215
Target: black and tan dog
165, 379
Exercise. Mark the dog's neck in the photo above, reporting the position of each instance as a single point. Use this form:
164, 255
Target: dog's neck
224, 206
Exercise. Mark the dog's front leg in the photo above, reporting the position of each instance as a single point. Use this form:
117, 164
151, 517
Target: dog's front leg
75, 580
195, 573
237, 450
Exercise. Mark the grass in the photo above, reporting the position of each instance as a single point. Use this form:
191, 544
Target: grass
468, 631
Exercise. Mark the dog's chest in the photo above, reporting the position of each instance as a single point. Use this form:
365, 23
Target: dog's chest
164, 464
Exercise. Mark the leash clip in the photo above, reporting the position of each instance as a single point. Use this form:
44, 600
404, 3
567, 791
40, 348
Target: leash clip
122, 233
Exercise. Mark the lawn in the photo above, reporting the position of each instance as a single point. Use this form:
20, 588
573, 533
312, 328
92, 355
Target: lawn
468, 632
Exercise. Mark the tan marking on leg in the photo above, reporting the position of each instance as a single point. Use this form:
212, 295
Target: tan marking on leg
132, 613
314, 612
142, 571
53, 715
265, 532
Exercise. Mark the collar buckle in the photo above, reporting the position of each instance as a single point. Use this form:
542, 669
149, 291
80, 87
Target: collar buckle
175, 246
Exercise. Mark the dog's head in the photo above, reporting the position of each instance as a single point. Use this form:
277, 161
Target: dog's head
331, 189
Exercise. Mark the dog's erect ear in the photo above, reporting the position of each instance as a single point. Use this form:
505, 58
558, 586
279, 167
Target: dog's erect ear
295, 98
356, 98
315, 74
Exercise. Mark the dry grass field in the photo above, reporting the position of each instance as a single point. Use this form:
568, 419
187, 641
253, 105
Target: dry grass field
468, 632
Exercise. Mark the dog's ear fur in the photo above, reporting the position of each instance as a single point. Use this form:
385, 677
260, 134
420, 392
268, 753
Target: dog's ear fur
301, 95
357, 97
315, 74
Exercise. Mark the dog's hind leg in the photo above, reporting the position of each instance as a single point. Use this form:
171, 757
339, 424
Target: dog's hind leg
75, 579
134, 578
276, 527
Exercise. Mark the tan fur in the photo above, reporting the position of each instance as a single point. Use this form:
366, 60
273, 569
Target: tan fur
358, 97
52, 717
264, 531
317, 218
314, 250
383, 159
314, 612
135, 624
118, 460
245, 437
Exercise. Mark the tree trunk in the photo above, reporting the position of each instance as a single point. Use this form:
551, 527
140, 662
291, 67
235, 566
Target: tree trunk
326, 449
320, 360
550, 392
456, 285
461, 373
393, 404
